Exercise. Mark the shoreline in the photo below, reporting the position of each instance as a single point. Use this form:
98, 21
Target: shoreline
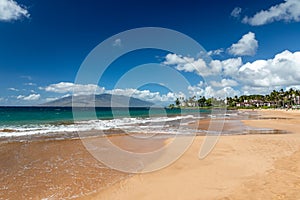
64, 168
232, 126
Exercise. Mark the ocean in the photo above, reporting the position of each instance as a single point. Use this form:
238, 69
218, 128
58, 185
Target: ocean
22, 121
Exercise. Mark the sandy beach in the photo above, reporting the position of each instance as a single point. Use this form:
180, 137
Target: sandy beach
240, 167
248, 166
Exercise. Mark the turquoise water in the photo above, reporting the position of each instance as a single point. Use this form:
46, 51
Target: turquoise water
44, 115
23, 121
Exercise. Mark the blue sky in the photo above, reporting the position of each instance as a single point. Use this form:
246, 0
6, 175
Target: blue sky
43, 43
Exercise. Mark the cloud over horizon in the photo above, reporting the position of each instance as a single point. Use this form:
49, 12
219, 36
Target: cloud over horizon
31, 97
69, 88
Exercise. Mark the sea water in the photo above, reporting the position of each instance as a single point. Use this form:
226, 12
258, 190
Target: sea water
20, 121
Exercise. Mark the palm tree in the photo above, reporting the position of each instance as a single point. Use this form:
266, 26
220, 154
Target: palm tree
177, 102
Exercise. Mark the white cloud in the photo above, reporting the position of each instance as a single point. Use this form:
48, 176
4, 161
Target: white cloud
224, 83
221, 93
197, 90
215, 52
231, 66
11, 10
209, 91
31, 97
248, 90
236, 12
188, 64
287, 11
51, 99
257, 77
246, 46
78, 89
13, 89
117, 42
282, 70
174, 59
145, 94
20, 97
66, 87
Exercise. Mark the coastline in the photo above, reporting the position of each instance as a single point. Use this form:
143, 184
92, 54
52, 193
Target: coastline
237, 168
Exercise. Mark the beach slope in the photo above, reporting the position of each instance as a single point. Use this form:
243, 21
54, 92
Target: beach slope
258, 166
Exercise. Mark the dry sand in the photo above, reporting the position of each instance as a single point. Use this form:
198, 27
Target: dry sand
239, 167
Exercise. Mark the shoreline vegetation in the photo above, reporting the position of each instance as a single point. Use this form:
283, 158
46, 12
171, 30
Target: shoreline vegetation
289, 99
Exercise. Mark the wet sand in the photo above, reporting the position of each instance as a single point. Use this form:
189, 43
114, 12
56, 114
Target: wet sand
51, 169
45, 167
248, 166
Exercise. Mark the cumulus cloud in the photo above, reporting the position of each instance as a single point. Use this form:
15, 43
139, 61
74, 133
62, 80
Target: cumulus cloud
224, 83
246, 46
31, 97
231, 66
259, 76
11, 10
227, 67
197, 90
215, 52
248, 90
220, 93
282, 70
174, 59
189, 64
78, 89
210, 91
236, 12
287, 11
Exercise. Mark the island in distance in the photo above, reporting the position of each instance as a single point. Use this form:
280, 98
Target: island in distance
101, 100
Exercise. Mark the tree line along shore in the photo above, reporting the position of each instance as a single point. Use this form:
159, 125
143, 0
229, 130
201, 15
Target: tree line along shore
276, 99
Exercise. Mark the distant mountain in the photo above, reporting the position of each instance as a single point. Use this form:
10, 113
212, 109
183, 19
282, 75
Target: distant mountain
102, 100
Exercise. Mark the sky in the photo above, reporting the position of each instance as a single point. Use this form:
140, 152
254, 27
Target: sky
253, 45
